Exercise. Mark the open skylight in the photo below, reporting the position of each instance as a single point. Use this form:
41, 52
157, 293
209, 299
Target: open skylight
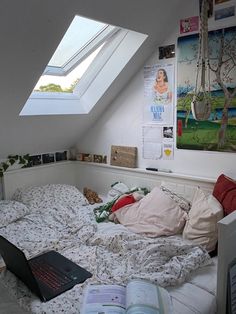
81, 32
76, 51
86, 62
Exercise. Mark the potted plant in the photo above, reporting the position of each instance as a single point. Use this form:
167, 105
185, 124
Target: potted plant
201, 105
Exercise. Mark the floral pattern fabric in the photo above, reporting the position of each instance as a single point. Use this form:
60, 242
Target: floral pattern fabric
11, 211
112, 257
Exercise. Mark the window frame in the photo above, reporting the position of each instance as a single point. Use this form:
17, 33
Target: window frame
82, 53
105, 68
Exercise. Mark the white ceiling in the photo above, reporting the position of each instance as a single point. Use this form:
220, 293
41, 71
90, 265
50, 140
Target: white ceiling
30, 32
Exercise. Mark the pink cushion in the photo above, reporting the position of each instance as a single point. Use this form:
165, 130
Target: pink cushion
154, 215
225, 192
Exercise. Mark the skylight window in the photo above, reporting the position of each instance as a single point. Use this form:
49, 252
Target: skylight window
78, 48
87, 61
66, 83
81, 39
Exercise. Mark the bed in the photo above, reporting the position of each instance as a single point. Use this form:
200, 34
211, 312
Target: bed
52, 220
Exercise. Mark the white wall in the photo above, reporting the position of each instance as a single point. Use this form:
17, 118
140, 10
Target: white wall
30, 32
121, 124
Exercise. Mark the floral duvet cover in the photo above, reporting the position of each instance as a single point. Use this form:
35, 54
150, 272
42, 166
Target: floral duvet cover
112, 257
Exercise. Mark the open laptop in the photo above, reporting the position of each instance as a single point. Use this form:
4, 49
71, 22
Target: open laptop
47, 275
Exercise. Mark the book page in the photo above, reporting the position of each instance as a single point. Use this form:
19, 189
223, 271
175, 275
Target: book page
104, 299
142, 297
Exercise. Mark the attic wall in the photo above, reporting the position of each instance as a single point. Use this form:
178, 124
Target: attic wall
121, 124
30, 32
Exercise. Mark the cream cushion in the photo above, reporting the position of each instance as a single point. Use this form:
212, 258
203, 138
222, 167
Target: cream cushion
201, 225
154, 215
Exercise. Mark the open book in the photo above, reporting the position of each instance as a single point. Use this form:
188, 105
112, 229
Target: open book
138, 297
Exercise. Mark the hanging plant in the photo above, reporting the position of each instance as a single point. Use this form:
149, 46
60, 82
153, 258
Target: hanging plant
201, 102
201, 106
11, 160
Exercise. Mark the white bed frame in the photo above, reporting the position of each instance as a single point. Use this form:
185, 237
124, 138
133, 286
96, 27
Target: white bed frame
99, 177
226, 254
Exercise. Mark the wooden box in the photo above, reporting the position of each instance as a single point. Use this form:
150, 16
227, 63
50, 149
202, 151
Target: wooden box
124, 156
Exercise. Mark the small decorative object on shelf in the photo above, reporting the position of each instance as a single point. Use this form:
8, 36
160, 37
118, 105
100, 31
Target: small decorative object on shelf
98, 158
11, 160
104, 159
35, 160
60, 156
84, 157
48, 158
124, 156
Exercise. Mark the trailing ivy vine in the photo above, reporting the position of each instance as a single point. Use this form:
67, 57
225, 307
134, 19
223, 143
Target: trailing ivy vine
11, 160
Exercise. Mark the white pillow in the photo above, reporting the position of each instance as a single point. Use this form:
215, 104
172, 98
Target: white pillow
201, 226
43, 197
11, 211
154, 215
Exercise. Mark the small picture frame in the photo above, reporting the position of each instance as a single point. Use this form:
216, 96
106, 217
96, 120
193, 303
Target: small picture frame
88, 157
60, 156
35, 160
84, 157
166, 52
48, 158
98, 158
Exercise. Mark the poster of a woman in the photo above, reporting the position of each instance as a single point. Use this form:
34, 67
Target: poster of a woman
162, 92
158, 90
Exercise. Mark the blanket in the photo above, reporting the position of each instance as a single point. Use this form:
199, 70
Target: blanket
111, 258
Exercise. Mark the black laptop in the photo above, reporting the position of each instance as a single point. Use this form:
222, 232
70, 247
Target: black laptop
47, 275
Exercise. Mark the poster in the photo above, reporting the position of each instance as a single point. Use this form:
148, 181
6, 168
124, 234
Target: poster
158, 94
190, 24
218, 133
168, 151
224, 13
158, 142
152, 142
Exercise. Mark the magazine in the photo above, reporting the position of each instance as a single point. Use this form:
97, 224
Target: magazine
138, 297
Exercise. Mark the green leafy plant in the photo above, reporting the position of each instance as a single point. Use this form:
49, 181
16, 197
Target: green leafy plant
11, 160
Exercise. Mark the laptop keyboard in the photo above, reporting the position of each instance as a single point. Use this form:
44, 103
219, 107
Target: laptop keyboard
48, 275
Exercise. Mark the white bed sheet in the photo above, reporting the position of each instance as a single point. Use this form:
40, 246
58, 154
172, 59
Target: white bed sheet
197, 295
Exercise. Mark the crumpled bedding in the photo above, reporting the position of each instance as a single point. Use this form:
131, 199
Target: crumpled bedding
111, 258
40, 231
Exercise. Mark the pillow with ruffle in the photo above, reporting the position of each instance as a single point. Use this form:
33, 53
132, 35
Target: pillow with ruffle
11, 211
183, 203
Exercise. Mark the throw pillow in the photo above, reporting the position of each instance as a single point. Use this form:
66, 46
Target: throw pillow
225, 192
201, 225
154, 215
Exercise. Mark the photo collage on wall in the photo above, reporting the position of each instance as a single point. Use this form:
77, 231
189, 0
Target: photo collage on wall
36, 160
158, 111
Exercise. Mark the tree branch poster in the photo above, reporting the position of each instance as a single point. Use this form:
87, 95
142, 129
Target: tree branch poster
218, 133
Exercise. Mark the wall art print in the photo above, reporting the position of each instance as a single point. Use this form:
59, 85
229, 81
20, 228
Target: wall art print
218, 133
159, 94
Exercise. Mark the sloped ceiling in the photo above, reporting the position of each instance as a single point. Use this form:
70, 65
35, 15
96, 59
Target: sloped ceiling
30, 32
